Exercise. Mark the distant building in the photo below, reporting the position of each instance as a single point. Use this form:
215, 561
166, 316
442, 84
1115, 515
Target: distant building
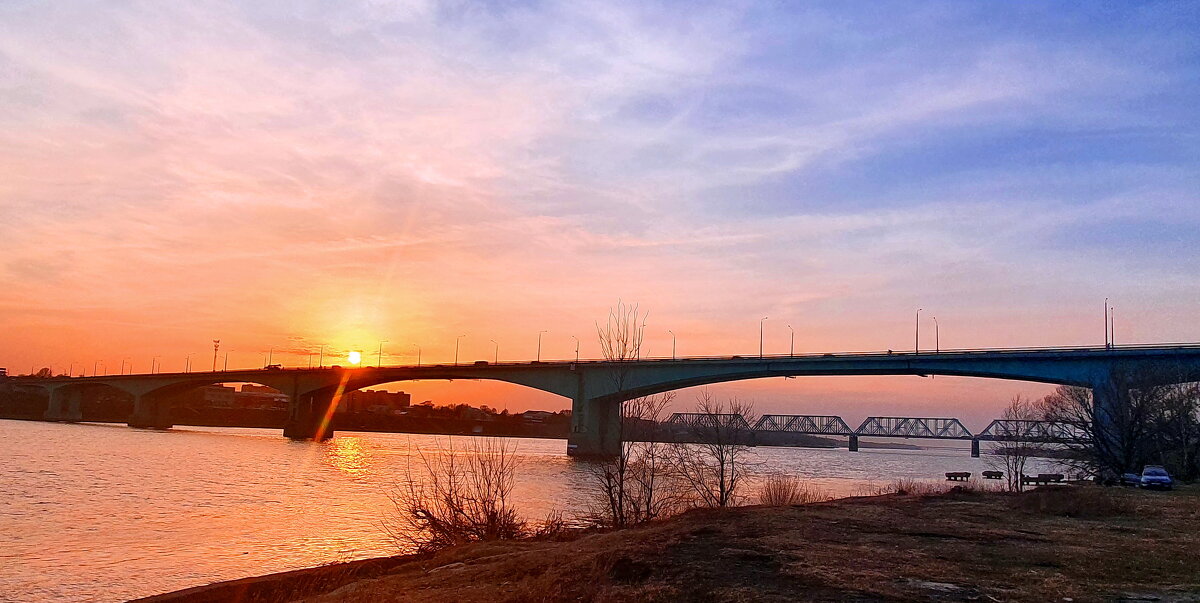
536, 416
209, 396
261, 397
374, 401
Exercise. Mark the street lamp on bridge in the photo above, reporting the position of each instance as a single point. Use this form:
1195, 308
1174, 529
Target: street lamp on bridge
576, 347
496, 352
937, 336
539, 349
154, 364
760, 336
216, 344
792, 343
456, 340
672, 343
379, 356
917, 334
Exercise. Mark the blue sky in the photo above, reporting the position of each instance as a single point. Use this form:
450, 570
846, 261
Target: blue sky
297, 173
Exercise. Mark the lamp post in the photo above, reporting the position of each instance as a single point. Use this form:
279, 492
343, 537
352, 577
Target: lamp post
216, 344
576, 347
379, 356
1112, 331
641, 336
418, 354
496, 352
760, 336
94, 365
123, 365
271, 356
917, 334
792, 343
154, 365
539, 348
672, 343
456, 340
937, 336
322, 359
1106, 323
226, 369
187, 364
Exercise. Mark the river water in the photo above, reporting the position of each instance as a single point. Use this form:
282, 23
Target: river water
92, 512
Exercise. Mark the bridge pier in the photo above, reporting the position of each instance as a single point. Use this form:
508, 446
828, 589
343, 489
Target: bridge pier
852, 443
595, 429
974, 448
151, 413
65, 405
309, 417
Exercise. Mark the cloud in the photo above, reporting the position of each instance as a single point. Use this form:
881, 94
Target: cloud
354, 171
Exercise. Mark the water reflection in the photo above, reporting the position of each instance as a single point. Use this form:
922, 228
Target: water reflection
348, 454
138, 512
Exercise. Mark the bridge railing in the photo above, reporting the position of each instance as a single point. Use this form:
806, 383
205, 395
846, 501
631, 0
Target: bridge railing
956, 352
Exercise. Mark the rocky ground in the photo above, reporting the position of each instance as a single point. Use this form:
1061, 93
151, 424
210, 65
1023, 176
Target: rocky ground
1078, 543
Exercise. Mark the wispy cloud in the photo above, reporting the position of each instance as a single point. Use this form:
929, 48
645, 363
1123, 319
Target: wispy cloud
356, 171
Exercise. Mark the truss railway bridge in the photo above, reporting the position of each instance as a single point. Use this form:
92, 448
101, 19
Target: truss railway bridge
999, 430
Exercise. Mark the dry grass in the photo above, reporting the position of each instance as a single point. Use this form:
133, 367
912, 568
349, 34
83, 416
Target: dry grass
978, 547
1083, 502
918, 488
779, 490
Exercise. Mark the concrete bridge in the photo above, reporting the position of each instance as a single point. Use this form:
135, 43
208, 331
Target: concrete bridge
597, 387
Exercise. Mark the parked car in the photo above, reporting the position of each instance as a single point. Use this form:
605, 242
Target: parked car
1132, 480
1155, 476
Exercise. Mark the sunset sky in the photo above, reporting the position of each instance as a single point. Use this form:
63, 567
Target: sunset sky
287, 175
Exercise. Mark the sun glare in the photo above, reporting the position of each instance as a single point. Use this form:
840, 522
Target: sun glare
354, 358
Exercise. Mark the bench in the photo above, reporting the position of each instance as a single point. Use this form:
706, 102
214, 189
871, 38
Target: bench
958, 476
993, 475
1042, 479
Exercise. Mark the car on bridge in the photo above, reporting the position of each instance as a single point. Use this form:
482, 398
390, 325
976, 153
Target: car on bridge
1156, 476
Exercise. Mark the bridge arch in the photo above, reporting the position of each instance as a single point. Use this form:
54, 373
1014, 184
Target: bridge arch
699, 380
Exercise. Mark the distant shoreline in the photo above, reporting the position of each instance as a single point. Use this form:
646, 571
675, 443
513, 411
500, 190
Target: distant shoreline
460, 430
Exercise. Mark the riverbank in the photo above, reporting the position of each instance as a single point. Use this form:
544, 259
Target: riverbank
1081, 543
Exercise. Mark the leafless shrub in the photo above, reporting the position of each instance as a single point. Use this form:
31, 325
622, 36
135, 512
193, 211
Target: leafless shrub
456, 498
713, 468
640, 484
912, 487
781, 490
1012, 455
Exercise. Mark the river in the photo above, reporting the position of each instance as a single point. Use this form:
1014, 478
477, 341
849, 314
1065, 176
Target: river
93, 512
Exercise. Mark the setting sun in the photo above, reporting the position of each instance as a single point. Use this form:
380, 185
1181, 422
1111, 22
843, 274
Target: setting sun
354, 358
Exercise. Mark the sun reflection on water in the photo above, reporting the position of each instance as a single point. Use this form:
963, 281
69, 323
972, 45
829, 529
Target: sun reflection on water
349, 455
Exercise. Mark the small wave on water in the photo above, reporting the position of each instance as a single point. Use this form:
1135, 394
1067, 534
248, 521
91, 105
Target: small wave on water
106, 513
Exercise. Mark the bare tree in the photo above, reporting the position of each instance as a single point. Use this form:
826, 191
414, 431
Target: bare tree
714, 466
1011, 454
1178, 433
1144, 416
457, 498
636, 486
